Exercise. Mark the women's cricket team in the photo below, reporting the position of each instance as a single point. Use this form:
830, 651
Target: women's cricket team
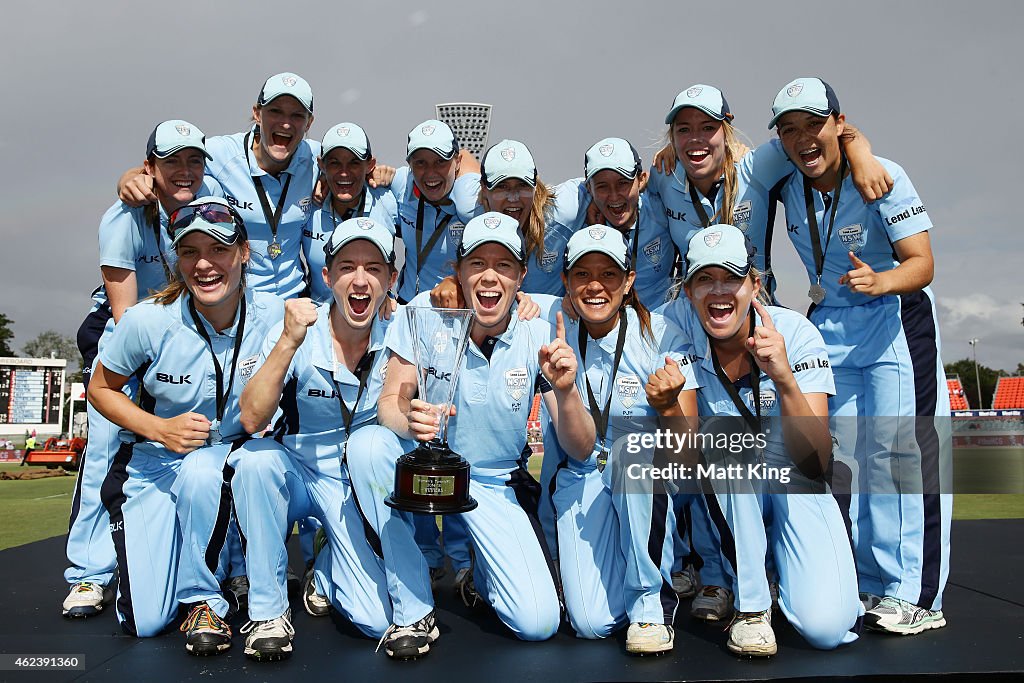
252, 366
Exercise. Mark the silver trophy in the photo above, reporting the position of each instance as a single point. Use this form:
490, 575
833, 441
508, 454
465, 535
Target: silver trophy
471, 123
432, 478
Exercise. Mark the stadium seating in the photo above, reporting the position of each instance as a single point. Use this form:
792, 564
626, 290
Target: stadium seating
957, 397
1009, 393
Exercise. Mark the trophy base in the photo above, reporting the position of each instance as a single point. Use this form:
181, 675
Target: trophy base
432, 480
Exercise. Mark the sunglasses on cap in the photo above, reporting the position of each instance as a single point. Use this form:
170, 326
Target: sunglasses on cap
224, 224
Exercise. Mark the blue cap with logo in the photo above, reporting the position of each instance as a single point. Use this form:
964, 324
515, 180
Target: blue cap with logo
287, 84
508, 159
361, 228
173, 136
435, 136
812, 95
600, 239
348, 136
719, 245
211, 216
492, 227
613, 154
707, 98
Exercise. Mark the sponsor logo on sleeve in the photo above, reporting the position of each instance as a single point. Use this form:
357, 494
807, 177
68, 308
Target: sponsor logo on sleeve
811, 364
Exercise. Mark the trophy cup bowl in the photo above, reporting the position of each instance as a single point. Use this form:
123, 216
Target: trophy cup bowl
432, 478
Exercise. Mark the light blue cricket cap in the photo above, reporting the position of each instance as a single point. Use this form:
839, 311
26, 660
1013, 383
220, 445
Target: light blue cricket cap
719, 245
811, 95
508, 159
613, 154
348, 136
596, 239
707, 98
361, 228
492, 227
173, 136
226, 231
435, 136
287, 84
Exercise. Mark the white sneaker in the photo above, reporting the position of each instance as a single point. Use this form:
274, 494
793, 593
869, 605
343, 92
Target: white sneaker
316, 605
713, 603
85, 599
899, 616
649, 639
751, 634
684, 583
412, 641
271, 640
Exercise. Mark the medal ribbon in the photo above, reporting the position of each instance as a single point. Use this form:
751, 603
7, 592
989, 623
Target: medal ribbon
601, 416
363, 372
755, 384
222, 396
273, 219
812, 220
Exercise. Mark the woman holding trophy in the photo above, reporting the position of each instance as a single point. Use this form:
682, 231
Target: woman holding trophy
485, 421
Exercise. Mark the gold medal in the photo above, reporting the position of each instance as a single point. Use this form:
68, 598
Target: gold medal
274, 250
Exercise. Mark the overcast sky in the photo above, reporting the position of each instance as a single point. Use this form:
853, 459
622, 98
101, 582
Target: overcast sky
934, 85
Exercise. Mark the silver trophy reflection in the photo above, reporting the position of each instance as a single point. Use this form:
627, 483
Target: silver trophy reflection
432, 478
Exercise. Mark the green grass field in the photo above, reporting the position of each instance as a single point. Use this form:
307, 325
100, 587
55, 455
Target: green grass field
38, 509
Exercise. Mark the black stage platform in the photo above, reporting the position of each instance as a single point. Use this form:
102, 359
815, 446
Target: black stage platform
984, 608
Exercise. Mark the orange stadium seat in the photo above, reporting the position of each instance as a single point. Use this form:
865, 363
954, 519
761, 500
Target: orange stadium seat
1009, 393
957, 396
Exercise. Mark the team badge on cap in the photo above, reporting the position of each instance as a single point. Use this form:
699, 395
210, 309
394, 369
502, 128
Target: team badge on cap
597, 232
364, 223
427, 130
492, 222
712, 239
795, 89
694, 91
289, 81
606, 150
183, 129
508, 154
343, 131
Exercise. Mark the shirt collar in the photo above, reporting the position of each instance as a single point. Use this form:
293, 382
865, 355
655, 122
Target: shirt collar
230, 331
322, 351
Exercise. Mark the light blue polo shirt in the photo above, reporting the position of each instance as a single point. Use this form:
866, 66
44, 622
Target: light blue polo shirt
629, 411
544, 271
808, 358
379, 204
753, 211
656, 254
129, 241
868, 230
234, 167
311, 425
439, 261
178, 371
493, 398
